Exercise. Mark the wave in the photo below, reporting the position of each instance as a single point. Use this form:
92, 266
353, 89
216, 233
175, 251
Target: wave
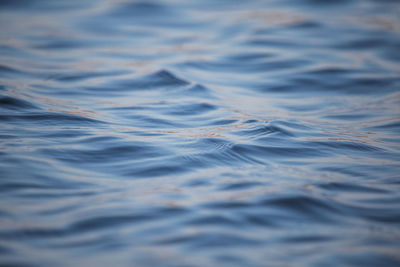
188, 133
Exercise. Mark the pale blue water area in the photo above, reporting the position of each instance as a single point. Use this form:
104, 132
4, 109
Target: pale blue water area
200, 133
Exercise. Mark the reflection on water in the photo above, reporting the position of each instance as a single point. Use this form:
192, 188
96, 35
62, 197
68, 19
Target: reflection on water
199, 133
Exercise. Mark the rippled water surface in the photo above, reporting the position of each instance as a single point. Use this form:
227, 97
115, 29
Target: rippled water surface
200, 133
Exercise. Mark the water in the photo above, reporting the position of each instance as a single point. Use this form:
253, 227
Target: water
200, 133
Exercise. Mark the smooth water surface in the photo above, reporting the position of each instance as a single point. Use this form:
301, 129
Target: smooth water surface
200, 133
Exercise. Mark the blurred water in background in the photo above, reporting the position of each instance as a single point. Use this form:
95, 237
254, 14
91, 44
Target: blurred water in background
200, 133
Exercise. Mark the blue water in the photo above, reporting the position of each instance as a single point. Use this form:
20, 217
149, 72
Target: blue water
200, 133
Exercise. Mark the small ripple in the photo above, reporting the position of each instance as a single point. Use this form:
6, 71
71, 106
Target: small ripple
213, 220
360, 44
222, 122
394, 126
10, 186
349, 187
272, 129
191, 109
199, 90
93, 224
318, 85
50, 119
330, 71
154, 122
228, 205
140, 9
54, 195
271, 153
106, 154
248, 57
269, 42
82, 76
209, 241
157, 80
307, 25
6, 69
59, 44
304, 207
15, 103
299, 203
343, 146
308, 239
240, 186
323, 3
246, 66
348, 117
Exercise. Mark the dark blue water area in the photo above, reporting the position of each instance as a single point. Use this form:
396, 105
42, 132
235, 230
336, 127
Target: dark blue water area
200, 133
